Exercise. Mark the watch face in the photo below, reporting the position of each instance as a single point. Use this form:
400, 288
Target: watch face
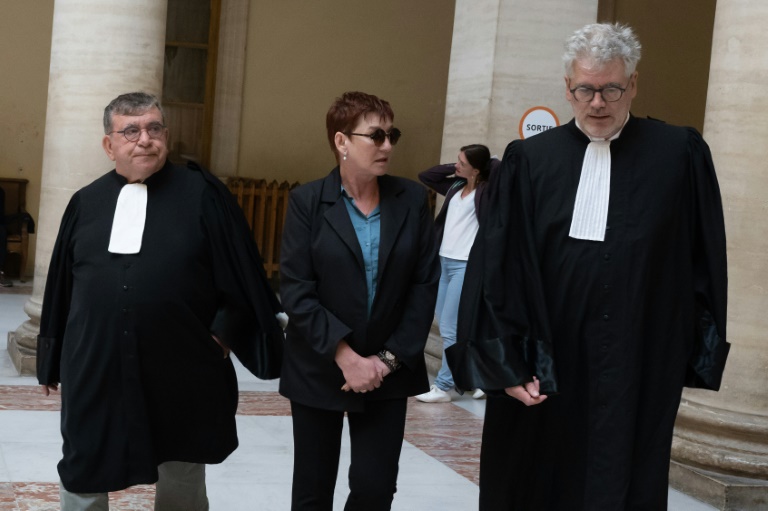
389, 355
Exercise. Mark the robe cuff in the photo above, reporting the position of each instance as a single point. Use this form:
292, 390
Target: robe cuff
707, 363
48, 358
496, 364
259, 350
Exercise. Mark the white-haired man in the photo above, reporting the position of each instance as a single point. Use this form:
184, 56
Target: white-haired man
597, 291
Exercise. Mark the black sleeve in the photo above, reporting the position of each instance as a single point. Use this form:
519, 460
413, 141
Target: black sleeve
440, 178
317, 325
409, 338
705, 369
503, 335
56, 300
245, 320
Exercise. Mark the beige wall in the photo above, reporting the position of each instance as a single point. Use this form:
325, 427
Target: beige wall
301, 55
25, 39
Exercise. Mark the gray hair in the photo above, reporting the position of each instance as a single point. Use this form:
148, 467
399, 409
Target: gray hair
601, 43
132, 103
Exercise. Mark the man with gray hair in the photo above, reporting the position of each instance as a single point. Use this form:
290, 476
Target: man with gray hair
154, 278
597, 291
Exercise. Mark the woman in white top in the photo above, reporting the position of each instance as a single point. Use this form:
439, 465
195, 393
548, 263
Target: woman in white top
463, 185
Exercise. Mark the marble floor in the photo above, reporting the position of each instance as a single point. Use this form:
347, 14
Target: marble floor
438, 467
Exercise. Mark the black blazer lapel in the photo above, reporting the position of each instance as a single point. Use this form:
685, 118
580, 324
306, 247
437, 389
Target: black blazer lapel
393, 214
337, 215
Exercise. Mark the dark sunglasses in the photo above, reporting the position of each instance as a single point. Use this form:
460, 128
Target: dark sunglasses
379, 135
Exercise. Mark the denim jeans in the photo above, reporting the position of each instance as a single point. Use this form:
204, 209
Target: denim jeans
447, 310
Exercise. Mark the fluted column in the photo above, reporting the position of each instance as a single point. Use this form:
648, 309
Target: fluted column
99, 49
230, 72
505, 59
720, 450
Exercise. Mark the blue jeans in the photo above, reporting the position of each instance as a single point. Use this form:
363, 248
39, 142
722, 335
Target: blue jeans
447, 310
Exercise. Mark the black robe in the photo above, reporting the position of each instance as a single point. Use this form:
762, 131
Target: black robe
129, 336
613, 329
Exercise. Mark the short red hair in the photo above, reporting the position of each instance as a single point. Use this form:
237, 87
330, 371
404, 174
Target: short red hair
346, 111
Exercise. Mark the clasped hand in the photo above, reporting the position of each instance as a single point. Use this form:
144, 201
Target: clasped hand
361, 374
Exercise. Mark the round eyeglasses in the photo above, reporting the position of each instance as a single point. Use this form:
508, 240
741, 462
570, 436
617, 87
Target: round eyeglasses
609, 94
133, 133
379, 135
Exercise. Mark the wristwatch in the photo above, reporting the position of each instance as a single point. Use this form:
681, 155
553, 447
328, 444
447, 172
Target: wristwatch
390, 359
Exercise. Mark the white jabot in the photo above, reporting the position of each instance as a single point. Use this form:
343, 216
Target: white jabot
590, 212
130, 216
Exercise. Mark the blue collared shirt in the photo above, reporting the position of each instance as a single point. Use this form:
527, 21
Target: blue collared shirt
368, 230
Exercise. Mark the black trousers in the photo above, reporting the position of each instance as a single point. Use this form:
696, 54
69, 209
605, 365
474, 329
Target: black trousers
376, 439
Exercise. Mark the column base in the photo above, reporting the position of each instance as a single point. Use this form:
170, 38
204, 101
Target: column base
22, 348
726, 493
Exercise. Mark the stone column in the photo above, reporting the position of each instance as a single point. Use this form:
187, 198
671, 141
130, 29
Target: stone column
720, 450
99, 49
230, 73
505, 59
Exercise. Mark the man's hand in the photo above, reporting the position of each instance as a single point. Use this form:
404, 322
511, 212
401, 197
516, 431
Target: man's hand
361, 373
527, 394
48, 388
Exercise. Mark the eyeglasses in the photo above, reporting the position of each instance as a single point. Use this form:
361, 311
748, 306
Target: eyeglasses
132, 133
609, 94
379, 135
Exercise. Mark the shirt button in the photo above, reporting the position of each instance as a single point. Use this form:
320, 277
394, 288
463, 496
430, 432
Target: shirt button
125, 332
604, 347
606, 287
125, 288
607, 257
606, 317
607, 227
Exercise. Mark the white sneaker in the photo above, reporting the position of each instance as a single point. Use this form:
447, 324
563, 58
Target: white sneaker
478, 394
435, 395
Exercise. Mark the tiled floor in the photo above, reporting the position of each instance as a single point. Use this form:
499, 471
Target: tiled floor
438, 467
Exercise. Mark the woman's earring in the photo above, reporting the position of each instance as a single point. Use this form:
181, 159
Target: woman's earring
345, 157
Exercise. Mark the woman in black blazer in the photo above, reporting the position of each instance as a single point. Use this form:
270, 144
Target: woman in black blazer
359, 274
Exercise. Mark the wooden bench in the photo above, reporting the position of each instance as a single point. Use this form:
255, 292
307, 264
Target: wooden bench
18, 223
265, 206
